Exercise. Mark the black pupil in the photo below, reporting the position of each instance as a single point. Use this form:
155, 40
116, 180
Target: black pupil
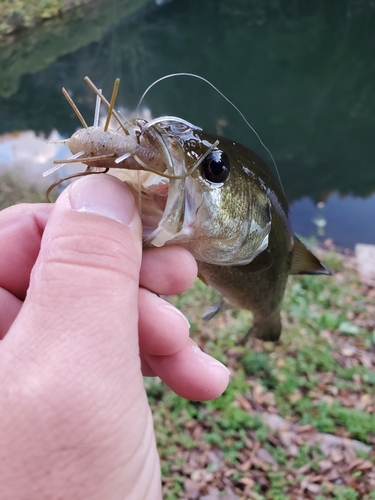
216, 167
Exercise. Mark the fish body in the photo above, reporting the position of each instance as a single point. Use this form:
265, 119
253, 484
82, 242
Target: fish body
236, 225
215, 197
258, 286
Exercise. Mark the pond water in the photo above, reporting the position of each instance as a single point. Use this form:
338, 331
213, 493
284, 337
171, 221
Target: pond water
303, 73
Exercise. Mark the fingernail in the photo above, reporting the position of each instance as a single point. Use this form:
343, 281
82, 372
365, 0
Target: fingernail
165, 305
209, 360
178, 313
103, 195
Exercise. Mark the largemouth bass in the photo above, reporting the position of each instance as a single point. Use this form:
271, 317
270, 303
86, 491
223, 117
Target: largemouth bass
213, 196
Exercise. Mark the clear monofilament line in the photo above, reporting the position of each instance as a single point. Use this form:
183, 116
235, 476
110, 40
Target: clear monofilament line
126, 121
60, 165
164, 149
161, 119
183, 176
228, 101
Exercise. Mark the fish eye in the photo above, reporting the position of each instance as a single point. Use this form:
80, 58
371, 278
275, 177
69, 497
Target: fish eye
216, 167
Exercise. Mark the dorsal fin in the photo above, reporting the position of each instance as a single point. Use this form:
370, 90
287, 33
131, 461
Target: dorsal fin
304, 262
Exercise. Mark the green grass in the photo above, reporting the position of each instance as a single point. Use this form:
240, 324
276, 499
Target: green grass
311, 380
12, 191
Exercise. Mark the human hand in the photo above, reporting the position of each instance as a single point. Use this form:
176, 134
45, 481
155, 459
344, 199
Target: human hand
74, 420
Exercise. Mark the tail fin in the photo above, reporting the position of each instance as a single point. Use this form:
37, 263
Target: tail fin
267, 329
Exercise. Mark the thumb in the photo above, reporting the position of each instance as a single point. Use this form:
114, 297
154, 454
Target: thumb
75, 343
86, 278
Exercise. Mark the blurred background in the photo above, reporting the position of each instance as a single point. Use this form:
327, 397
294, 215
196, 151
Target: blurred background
303, 74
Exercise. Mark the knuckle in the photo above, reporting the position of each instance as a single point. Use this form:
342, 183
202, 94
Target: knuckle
111, 253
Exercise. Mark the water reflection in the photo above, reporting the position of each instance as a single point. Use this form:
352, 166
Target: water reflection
343, 217
302, 72
26, 156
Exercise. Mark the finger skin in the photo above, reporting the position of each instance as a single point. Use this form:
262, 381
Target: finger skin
9, 308
168, 270
77, 419
163, 329
71, 362
164, 270
21, 229
191, 373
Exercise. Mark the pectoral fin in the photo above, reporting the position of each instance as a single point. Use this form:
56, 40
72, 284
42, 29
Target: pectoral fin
211, 311
304, 262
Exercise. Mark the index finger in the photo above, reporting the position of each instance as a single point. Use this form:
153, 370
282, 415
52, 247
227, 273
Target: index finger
21, 229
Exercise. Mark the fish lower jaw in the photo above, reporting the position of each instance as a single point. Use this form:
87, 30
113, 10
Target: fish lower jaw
151, 195
162, 236
167, 209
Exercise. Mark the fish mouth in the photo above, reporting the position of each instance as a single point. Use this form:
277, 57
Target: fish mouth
166, 207
151, 194
165, 202
168, 196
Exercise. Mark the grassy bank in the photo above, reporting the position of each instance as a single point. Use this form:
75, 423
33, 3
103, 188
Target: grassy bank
34, 34
13, 191
18, 14
298, 418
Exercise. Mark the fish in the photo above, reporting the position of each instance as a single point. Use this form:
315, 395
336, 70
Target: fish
213, 196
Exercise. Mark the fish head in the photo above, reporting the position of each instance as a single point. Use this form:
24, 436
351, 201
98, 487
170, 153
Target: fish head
214, 204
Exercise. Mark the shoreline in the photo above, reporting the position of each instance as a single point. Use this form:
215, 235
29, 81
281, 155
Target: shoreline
19, 16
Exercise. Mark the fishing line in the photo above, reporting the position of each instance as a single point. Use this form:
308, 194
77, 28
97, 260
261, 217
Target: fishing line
172, 75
